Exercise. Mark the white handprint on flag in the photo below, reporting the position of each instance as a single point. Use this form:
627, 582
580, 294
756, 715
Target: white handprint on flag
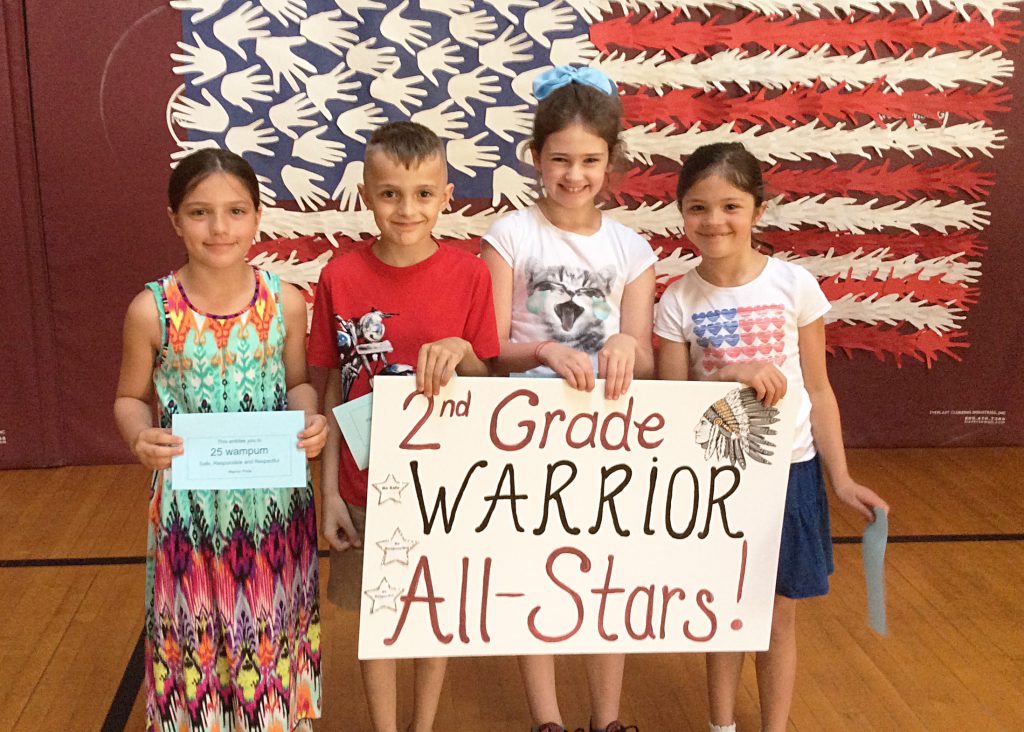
241, 87
245, 23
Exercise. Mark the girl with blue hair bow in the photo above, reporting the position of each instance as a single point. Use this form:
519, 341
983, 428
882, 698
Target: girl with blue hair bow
573, 295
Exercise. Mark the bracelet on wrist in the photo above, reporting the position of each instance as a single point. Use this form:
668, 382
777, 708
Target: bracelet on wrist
536, 351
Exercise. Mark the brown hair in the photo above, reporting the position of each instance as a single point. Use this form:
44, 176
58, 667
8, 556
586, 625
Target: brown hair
581, 104
200, 165
407, 142
734, 163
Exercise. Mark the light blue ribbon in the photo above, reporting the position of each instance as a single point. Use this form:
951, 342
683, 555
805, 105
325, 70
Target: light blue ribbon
561, 76
875, 537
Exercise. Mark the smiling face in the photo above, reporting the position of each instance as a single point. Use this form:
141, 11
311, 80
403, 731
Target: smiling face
217, 220
719, 218
573, 165
406, 201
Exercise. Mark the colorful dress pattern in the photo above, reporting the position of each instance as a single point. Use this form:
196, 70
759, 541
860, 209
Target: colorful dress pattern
232, 584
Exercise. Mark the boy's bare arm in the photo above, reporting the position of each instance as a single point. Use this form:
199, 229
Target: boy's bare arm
331, 456
335, 522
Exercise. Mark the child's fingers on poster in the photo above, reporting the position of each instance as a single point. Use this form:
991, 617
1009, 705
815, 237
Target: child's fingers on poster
572, 365
424, 369
625, 378
778, 384
624, 367
614, 370
767, 381
566, 372
768, 389
580, 376
435, 364
573, 375
609, 369
446, 372
421, 370
585, 373
436, 372
615, 364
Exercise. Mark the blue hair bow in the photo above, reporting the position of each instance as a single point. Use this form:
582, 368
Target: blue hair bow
561, 76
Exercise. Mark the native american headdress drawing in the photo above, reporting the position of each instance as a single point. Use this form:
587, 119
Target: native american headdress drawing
736, 427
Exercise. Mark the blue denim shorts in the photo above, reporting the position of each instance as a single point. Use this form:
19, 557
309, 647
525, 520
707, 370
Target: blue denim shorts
805, 555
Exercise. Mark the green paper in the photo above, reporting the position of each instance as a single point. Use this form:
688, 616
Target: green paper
354, 420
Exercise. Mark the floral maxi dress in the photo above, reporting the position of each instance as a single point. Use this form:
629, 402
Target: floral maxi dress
232, 590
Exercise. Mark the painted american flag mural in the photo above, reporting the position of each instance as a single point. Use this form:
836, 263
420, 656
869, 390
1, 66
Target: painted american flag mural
876, 120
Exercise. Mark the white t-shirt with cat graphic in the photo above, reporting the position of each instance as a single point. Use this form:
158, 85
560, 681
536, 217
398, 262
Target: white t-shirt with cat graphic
757, 322
567, 287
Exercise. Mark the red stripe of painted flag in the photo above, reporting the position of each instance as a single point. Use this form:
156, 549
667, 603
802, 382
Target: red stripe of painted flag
678, 37
932, 290
809, 242
953, 180
799, 105
908, 181
922, 345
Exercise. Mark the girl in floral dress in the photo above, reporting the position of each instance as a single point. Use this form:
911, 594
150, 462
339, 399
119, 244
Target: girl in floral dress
232, 588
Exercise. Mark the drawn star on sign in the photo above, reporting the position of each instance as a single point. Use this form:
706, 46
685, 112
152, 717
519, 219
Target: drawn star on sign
389, 490
385, 594
396, 549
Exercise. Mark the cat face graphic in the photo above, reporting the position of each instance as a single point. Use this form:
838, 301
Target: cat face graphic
572, 302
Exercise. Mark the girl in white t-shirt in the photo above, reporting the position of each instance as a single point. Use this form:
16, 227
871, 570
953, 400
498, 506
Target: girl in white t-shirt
741, 315
573, 294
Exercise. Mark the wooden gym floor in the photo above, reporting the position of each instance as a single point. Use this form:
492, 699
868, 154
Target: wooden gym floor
72, 576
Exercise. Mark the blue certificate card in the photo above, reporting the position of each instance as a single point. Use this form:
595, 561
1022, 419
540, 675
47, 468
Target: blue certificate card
354, 420
236, 450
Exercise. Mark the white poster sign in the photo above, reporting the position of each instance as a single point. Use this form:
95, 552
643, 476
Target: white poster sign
519, 516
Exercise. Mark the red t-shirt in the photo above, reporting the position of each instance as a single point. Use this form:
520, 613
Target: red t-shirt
370, 317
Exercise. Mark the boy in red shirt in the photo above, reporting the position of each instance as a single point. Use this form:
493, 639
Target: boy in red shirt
398, 304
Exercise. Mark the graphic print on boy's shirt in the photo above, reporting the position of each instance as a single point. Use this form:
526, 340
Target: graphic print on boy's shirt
752, 334
371, 319
363, 347
572, 303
